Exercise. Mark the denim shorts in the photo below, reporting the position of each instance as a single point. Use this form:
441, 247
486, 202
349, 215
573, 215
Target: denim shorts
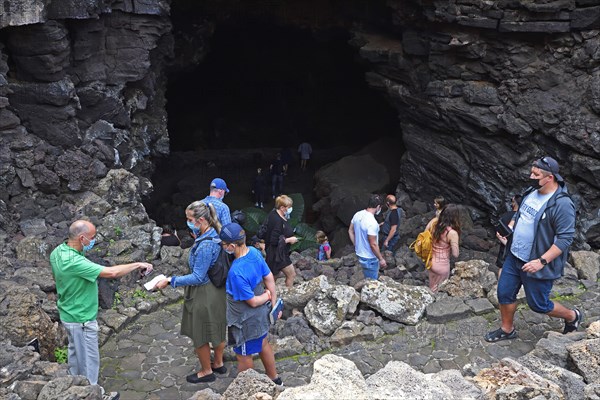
370, 267
250, 347
537, 291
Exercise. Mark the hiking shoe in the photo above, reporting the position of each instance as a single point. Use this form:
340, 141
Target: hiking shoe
278, 381
111, 396
499, 334
573, 325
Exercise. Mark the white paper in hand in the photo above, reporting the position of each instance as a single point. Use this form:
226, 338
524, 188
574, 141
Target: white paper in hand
150, 285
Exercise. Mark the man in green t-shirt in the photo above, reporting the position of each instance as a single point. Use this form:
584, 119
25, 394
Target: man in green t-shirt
77, 287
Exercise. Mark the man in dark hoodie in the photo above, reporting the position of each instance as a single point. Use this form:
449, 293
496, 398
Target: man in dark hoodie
543, 230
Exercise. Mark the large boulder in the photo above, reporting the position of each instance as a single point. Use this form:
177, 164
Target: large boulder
470, 279
329, 309
511, 380
587, 264
23, 319
395, 301
571, 383
248, 384
333, 378
585, 355
345, 185
299, 295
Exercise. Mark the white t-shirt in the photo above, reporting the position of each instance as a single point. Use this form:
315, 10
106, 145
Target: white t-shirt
523, 235
365, 225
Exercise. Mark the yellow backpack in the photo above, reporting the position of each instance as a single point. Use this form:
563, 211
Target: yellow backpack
423, 247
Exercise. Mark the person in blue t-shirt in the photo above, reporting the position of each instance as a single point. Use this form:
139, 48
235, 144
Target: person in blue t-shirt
248, 301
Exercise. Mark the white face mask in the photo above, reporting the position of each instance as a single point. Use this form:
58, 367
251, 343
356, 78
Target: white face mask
378, 210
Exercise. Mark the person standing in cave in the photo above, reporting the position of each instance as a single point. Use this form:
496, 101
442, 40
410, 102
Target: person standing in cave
364, 233
543, 230
279, 238
251, 294
445, 232
77, 289
203, 317
391, 224
276, 169
258, 188
305, 150
218, 190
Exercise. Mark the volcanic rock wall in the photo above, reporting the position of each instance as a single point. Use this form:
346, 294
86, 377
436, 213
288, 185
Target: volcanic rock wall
482, 88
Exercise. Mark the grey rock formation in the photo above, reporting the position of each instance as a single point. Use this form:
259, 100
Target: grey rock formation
587, 264
585, 355
510, 379
249, 383
470, 279
395, 301
23, 319
329, 309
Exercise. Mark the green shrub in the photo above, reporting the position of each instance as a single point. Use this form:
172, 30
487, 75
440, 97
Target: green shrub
60, 353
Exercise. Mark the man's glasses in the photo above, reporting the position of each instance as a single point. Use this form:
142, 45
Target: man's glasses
543, 164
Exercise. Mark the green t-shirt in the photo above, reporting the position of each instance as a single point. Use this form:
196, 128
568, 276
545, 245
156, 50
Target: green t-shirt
76, 284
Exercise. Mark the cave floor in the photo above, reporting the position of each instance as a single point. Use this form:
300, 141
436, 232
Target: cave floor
149, 359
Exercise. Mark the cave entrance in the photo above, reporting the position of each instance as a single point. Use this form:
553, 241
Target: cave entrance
262, 87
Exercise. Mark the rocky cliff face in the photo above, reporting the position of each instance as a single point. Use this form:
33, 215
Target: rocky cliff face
483, 88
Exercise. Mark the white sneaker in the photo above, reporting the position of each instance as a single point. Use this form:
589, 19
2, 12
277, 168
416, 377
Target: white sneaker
256, 205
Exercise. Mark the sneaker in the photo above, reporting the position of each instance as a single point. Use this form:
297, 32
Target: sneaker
499, 334
111, 396
256, 204
573, 325
278, 381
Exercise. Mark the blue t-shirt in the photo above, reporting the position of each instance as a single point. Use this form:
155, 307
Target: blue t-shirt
221, 208
524, 231
245, 274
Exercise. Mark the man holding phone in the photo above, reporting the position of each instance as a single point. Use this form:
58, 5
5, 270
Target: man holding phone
543, 231
504, 231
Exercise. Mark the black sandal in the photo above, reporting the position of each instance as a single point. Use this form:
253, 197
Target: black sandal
499, 334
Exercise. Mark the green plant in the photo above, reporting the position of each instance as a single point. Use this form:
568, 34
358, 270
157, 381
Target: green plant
140, 293
60, 353
117, 300
118, 231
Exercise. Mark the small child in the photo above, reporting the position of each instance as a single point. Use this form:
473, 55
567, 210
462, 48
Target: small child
324, 247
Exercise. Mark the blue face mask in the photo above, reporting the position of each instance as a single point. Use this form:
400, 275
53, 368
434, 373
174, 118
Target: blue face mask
90, 245
288, 213
193, 227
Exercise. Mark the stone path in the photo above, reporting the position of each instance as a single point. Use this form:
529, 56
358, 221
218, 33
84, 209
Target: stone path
150, 360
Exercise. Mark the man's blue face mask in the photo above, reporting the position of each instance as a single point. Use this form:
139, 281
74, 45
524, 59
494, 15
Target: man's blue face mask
90, 245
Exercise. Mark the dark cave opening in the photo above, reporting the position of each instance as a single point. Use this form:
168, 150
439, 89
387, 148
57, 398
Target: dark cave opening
262, 87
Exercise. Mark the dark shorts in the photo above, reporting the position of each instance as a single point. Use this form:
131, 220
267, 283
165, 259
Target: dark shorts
250, 347
537, 291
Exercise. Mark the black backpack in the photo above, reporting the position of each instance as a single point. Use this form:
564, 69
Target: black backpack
262, 229
217, 273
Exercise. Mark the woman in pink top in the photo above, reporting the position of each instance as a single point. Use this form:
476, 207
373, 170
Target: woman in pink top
445, 230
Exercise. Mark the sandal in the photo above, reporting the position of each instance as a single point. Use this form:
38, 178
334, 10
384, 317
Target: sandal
499, 334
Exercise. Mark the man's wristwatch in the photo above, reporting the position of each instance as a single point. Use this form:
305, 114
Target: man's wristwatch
543, 261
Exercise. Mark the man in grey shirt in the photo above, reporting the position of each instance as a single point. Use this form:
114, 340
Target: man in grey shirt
543, 230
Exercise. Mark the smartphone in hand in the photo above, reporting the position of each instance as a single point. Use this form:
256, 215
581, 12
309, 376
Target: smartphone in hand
274, 314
